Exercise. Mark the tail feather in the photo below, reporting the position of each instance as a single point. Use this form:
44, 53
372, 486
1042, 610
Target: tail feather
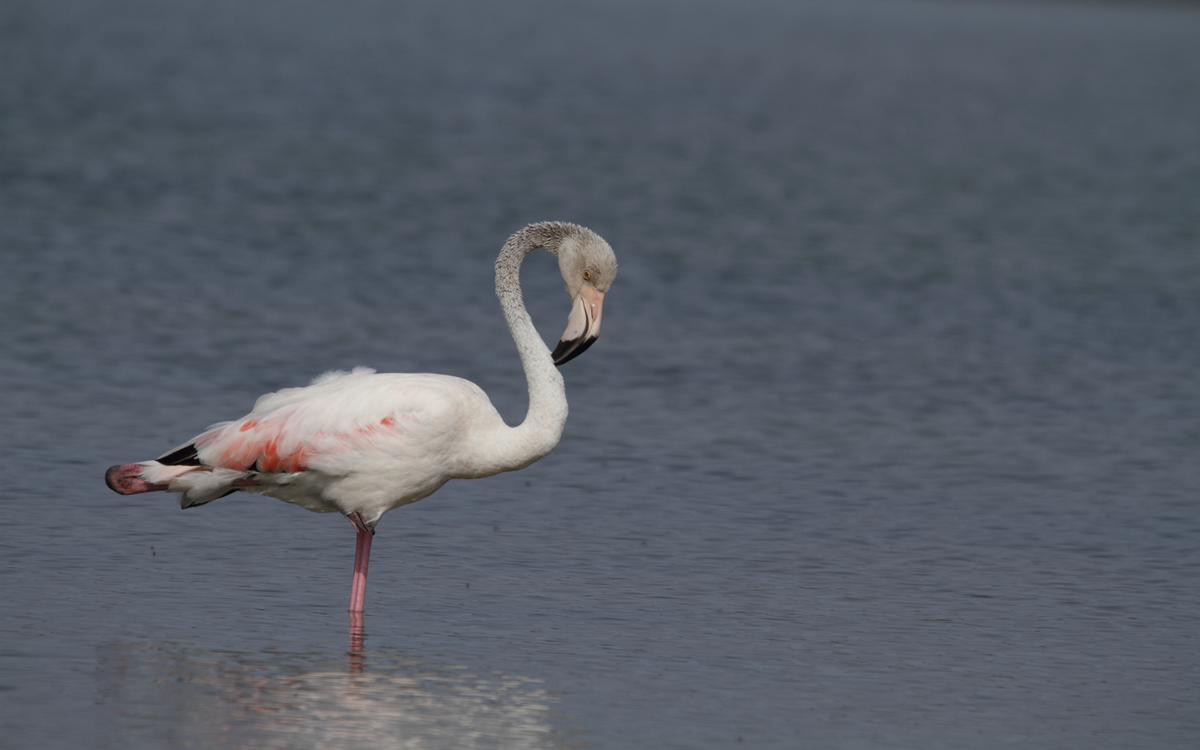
200, 487
147, 476
197, 484
126, 479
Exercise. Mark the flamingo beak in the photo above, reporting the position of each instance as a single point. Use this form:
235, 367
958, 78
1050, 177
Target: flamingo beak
583, 325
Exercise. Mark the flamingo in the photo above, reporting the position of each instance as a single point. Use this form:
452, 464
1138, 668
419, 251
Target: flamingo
362, 443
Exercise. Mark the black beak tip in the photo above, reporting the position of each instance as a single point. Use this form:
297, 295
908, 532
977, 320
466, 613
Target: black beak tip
569, 350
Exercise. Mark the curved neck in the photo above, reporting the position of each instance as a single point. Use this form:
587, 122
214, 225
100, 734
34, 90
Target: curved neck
543, 425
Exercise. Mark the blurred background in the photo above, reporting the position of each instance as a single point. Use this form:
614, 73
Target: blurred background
890, 440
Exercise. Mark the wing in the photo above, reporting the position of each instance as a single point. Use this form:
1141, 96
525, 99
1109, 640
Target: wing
343, 423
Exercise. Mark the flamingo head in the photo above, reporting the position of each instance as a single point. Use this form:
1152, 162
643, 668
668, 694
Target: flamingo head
588, 268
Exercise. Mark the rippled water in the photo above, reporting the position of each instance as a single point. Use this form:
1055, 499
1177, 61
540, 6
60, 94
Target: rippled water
890, 440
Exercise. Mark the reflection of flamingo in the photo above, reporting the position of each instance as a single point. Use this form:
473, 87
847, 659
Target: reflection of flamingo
166, 695
363, 443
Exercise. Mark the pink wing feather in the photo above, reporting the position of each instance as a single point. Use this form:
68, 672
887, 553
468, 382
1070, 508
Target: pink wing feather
294, 429
283, 440
253, 444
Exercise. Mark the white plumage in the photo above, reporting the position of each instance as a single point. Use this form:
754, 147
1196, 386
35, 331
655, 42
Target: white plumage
362, 443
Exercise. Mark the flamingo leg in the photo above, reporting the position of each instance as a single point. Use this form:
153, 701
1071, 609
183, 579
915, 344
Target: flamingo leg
362, 557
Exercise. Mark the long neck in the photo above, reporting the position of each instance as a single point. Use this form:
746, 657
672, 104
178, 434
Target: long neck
543, 425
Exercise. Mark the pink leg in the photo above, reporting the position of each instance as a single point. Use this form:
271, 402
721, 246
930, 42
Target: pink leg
362, 556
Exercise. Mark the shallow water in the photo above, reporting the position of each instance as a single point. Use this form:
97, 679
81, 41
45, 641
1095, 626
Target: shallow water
890, 439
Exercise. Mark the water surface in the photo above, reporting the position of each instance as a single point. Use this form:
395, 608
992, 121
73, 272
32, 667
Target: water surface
890, 440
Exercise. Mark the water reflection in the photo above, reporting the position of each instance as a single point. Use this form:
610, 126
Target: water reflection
170, 695
355, 649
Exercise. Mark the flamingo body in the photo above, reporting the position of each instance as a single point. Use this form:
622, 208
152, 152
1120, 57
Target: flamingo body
362, 443
351, 442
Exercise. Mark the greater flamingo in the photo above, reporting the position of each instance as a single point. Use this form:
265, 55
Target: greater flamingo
362, 443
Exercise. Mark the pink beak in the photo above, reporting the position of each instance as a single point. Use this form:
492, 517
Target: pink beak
583, 325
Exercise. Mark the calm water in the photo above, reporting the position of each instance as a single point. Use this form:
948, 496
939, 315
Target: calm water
890, 441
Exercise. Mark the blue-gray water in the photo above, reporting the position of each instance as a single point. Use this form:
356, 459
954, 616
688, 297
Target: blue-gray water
890, 440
